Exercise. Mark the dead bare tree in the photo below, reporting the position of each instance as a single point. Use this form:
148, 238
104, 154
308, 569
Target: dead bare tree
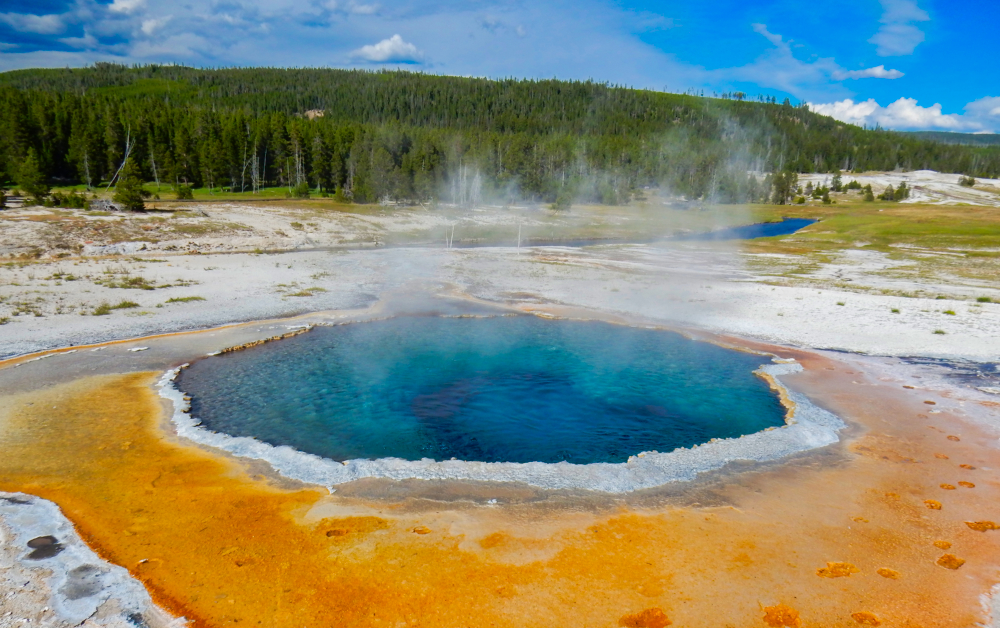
152, 160
129, 145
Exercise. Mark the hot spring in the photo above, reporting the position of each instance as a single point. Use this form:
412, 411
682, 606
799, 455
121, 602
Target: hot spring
497, 389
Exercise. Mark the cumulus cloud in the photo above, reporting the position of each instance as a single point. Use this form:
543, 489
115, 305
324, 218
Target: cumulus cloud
40, 24
878, 71
905, 113
987, 108
898, 35
392, 50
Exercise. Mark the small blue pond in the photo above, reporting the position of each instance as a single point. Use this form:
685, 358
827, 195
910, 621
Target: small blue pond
757, 230
514, 389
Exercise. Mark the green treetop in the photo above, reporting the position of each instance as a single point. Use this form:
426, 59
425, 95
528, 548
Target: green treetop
129, 192
30, 178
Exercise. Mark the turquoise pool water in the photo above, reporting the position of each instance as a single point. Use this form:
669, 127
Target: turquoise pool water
502, 389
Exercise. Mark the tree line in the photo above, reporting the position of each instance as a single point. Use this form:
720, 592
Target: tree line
409, 137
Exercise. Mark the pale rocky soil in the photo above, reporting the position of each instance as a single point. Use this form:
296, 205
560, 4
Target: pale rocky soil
309, 259
928, 186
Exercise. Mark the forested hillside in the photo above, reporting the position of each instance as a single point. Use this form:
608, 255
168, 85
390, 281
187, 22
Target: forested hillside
413, 137
948, 137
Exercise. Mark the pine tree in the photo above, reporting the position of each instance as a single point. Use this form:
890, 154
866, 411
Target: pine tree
902, 192
30, 178
129, 192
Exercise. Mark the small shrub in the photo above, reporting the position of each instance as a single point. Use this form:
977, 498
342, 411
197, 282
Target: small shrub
984, 300
4, 320
800, 200
949, 312
102, 310
966, 182
184, 299
296, 225
841, 303
895, 310
185, 193
124, 305
940, 332
940, 297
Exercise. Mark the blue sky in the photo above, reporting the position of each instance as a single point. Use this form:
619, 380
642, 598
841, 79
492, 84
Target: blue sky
905, 64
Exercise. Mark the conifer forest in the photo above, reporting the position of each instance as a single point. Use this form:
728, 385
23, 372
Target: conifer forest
409, 137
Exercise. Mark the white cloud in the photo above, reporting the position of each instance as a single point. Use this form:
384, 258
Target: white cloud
358, 8
126, 6
771, 37
392, 50
152, 25
779, 69
905, 113
985, 108
878, 71
88, 41
898, 36
40, 24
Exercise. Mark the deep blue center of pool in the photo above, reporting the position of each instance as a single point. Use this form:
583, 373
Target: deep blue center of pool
512, 389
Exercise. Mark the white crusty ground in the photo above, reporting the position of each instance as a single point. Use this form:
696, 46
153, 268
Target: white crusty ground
74, 587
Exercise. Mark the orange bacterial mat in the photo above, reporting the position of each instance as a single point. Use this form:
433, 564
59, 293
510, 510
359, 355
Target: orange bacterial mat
838, 539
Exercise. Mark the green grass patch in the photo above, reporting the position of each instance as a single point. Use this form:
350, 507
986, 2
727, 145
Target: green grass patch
949, 312
184, 299
106, 308
131, 283
939, 332
984, 300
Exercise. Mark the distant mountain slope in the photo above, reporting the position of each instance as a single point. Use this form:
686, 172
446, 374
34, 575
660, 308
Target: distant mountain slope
412, 136
968, 139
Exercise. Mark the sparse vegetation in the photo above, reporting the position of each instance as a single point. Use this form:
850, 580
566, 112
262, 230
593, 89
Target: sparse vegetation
949, 312
940, 332
308, 292
895, 310
966, 182
184, 299
106, 308
984, 300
